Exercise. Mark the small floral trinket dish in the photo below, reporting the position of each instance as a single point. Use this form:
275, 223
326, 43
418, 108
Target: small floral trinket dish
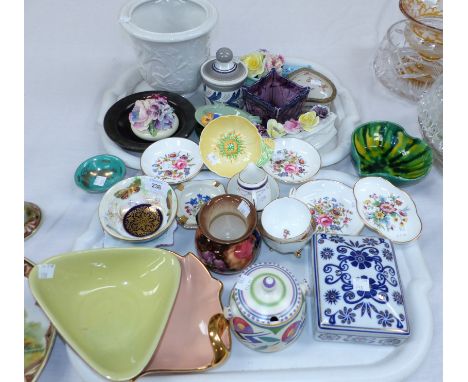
206, 113
229, 143
358, 292
286, 226
293, 161
322, 89
99, 173
275, 97
155, 196
223, 78
387, 209
32, 218
332, 205
191, 196
39, 334
173, 160
153, 118
384, 149
267, 308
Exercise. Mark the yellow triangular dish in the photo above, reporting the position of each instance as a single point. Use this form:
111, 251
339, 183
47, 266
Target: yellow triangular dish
111, 305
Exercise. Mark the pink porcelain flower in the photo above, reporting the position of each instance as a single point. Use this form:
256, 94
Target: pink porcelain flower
141, 116
291, 169
181, 164
292, 126
324, 220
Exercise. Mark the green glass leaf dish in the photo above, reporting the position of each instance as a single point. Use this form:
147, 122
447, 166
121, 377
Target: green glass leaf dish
382, 148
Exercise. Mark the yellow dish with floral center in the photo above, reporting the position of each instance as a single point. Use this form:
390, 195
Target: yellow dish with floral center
229, 143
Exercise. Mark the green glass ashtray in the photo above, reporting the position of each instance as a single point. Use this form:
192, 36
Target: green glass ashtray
382, 148
99, 173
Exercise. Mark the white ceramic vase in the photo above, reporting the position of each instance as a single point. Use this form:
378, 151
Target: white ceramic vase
171, 40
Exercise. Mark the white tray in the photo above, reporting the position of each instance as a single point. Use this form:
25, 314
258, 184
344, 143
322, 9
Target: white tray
338, 148
307, 359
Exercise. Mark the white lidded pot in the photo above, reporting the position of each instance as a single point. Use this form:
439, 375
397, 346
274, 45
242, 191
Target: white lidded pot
267, 307
171, 40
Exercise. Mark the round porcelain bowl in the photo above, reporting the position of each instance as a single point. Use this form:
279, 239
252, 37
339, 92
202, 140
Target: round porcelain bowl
286, 225
171, 39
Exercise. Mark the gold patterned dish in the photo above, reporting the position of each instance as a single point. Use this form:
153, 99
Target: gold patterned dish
229, 143
119, 217
32, 218
39, 334
191, 196
142, 220
387, 209
110, 305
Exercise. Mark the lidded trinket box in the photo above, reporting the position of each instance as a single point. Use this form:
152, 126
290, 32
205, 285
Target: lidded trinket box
223, 78
358, 292
267, 307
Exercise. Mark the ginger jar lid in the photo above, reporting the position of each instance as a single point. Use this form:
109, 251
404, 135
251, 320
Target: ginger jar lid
268, 294
224, 72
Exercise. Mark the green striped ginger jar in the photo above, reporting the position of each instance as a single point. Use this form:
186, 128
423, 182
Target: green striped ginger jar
382, 148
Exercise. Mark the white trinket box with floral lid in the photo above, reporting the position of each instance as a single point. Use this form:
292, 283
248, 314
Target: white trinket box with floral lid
358, 292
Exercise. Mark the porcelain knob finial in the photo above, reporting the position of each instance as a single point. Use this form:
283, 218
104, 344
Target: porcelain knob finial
269, 283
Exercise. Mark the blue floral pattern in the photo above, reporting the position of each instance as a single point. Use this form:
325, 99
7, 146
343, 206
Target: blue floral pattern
194, 204
357, 285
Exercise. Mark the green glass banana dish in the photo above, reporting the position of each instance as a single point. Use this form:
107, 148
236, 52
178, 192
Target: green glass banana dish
382, 148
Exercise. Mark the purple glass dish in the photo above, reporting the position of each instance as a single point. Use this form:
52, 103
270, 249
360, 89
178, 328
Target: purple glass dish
275, 97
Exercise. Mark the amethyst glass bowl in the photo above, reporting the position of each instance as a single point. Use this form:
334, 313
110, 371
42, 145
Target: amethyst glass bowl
275, 97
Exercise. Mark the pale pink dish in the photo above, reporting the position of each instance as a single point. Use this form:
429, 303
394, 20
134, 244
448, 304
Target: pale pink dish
197, 335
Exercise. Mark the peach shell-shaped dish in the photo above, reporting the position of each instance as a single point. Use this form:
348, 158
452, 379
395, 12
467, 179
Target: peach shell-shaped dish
193, 345
202, 342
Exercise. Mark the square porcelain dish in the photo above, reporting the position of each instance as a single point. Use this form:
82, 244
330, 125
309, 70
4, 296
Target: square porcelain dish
358, 292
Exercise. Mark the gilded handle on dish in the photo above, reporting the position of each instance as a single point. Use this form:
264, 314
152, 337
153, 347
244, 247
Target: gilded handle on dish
216, 327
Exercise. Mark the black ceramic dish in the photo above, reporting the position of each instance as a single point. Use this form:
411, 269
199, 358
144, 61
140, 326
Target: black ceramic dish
117, 124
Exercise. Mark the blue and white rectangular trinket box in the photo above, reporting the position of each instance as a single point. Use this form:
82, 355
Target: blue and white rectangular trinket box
358, 293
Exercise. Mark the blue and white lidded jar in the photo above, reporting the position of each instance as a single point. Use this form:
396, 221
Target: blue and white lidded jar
358, 292
223, 78
267, 307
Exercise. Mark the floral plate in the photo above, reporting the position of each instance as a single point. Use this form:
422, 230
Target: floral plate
191, 196
39, 334
131, 192
293, 161
387, 209
332, 205
173, 160
229, 143
117, 123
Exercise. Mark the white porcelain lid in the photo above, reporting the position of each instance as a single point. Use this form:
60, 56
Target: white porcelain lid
268, 294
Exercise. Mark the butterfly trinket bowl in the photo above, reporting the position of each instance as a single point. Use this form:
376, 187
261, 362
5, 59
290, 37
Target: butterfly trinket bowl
138, 209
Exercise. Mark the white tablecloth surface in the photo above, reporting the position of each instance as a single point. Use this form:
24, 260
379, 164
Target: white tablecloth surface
75, 50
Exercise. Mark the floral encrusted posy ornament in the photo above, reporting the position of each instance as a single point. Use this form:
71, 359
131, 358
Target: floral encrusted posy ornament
359, 296
305, 122
153, 116
259, 63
